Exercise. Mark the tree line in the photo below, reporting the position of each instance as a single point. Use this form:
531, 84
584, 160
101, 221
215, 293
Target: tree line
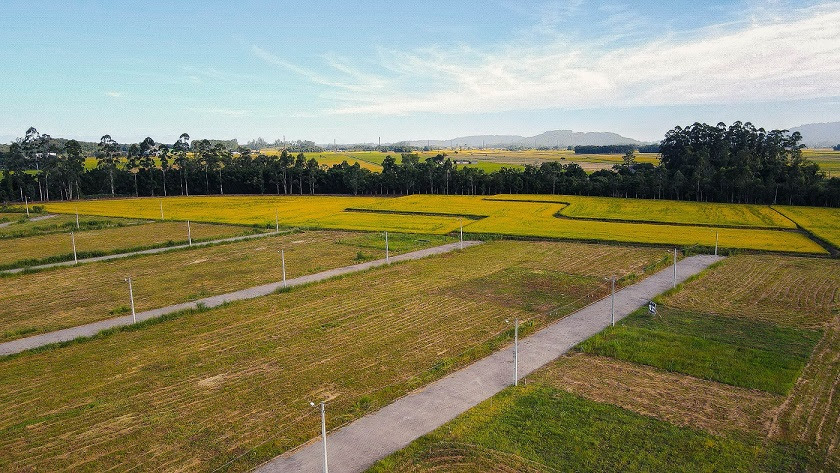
711, 163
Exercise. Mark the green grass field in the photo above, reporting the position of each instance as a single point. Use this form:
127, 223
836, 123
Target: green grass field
435, 214
52, 247
88, 293
233, 384
22, 227
537, 428
822, 222
748, 354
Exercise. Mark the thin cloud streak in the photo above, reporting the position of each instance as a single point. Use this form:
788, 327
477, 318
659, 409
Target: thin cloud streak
792, 60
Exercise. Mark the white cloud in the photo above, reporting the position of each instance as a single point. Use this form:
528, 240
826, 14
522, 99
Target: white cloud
798, 58
114, 94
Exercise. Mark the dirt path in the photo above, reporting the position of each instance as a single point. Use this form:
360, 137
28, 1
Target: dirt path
33, 219
358, 445
17, 346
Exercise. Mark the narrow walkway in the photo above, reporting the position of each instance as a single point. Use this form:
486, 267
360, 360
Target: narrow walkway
33, 219
17, 346
141, 252
357, 446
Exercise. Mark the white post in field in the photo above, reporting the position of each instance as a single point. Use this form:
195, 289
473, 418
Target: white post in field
189, 233
716, 242
612, 303
77, 218
276, 221
675, 267
26, 201
461, 241
387, 250
283, 261
73, 239
516, 351
161, 210
131, 296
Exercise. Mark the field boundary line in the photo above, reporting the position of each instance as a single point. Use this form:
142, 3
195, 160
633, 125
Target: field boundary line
150, 251
357, 445
89, 330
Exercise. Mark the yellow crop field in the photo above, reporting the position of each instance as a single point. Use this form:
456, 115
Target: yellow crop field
822, 222
664, 211
438, 214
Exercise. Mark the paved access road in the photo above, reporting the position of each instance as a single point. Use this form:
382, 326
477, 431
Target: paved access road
358, 445
17, 346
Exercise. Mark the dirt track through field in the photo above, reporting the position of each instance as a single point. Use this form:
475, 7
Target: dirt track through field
358, 445
88, 330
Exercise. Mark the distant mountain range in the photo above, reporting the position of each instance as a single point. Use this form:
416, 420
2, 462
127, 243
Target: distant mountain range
561, 138
819, 135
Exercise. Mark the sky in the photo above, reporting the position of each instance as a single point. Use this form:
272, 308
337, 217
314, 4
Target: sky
365, 70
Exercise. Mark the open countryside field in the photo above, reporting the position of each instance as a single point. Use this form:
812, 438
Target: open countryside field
32, 250
232, 387
479, 215
822, 222
567, 415
22, 227
88, 293
827, 159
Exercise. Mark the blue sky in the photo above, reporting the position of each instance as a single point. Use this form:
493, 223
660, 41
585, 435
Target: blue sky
356, 71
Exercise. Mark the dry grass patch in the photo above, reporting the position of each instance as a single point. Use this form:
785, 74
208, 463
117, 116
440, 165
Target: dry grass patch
233, 384
801, 292
672, 397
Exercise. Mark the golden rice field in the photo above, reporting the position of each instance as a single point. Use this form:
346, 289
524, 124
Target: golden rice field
232, 386
89, 293
822, 222
27, 251
436, 214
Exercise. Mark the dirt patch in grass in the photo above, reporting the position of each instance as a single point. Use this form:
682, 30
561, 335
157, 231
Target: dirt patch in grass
672, 397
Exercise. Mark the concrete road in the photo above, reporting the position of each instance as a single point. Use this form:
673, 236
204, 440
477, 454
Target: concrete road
358, 445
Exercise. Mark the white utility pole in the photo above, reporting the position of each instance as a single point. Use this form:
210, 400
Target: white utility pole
73, 239
387, 250
189, 233
323, 434
283, 260
131, 296
612, 303
716, 243
675, 267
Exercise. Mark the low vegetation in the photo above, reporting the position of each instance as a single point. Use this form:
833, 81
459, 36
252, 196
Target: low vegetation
54, 247
232, 387
88, 293
24, 227
822, 222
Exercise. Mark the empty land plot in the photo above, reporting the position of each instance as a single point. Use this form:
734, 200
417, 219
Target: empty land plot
745, 353
82, 294
801, 292
547, 429
62, 223
198, 391
28, 251
672, 397
822, 222
666, 211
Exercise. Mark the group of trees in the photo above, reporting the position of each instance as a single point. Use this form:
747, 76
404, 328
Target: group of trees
739, 163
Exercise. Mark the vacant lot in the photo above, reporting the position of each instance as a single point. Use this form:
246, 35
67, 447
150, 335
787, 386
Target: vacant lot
546, 429
198, 391
61, 224
28, 251
52, 300
440, 214
800, 292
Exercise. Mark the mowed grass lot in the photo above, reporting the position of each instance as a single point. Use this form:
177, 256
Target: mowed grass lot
32, 250
61, 224
590, 412
497, 215
231, 386
82, 294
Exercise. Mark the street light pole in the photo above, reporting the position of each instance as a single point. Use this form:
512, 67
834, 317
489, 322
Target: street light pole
612, 302
131, 296
73, 239
323, 434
